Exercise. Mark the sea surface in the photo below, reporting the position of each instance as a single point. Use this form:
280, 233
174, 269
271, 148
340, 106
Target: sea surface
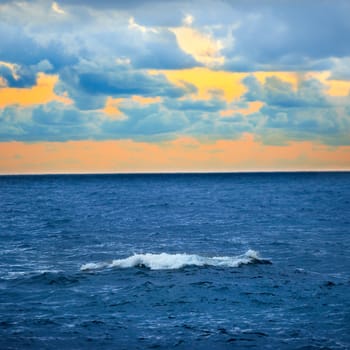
175, 261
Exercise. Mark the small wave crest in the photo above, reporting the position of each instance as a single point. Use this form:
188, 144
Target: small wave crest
165, 261
40, 276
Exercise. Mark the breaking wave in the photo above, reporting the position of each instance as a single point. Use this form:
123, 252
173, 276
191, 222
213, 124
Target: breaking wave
165, 261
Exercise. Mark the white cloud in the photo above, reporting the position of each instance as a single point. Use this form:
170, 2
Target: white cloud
57, 8
123, 61
188, 20
200, 45
136, 26
12, 67
203, 47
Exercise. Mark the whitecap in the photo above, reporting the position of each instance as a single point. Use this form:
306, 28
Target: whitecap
165, 261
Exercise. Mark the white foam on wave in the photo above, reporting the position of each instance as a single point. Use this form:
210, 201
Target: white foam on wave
165, 261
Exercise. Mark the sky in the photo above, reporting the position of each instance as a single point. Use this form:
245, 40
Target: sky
172, 85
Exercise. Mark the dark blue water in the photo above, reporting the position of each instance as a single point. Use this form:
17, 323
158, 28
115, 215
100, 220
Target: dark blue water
91, 262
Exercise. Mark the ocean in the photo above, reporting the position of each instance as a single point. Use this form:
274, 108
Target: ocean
185, 261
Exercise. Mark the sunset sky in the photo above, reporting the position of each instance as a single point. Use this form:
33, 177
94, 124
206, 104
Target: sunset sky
165, 85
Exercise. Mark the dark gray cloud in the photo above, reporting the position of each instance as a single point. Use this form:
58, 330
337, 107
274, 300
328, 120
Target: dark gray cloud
17, 46
289, 35
24, 77
89, 84
160, 51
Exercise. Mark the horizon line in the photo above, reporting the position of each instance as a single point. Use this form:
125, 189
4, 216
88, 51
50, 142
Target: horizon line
180, 172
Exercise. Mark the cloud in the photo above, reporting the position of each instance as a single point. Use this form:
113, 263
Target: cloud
340, 69
23, 49
153, 122
50, 122
100, 51
160, 50
279, 121
232, 35
58, 122
276, 92
213, 105
202, 46
56, 8
306, 113
22, 77
281, 35
83, 34
89, 84
102, 4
